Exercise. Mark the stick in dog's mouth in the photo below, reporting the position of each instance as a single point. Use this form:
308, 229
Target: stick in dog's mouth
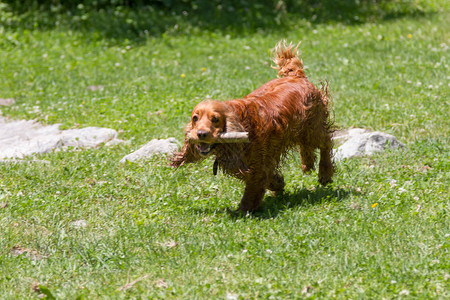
224, 138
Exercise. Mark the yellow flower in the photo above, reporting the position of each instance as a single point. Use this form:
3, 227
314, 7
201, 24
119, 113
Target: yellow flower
409, 36
203, 69
182, 75
374, 205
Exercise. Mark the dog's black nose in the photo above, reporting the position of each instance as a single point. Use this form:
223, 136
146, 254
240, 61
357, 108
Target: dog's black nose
202, 134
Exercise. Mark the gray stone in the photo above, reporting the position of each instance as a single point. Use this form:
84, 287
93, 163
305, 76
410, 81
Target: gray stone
7, 101
341, 136
80, 224
89, 137
153, 147
366, 143
96, 88
23, 138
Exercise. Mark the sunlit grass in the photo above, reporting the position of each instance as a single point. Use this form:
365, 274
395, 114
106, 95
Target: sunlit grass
381, 230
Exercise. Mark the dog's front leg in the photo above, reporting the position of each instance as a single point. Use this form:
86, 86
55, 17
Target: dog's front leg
253, 195
276, 183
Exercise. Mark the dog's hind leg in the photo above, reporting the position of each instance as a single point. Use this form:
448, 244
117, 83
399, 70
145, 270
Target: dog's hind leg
326, 168
276, 183
308, 158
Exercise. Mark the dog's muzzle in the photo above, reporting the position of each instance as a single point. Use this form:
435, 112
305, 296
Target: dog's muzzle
205, 148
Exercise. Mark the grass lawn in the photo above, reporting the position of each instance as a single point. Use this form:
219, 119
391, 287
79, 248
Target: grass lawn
381, 230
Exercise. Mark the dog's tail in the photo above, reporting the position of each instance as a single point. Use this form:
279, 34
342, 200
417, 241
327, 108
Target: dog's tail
328, 104
286, 58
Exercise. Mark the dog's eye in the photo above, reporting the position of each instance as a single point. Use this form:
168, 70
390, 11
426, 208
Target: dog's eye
215, 119
194, 119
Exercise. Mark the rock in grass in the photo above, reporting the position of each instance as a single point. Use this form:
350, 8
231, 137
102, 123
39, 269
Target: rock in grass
89, 137
341, 136
366, 143
79, 224
7, 101
153, 147
23, 138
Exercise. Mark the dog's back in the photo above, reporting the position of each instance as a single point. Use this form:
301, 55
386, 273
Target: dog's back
282, 105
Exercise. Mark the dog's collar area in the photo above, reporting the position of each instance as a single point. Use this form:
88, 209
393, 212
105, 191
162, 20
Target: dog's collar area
215, 166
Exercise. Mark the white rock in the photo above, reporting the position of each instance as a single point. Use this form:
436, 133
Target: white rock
155, 146
22, 138
89, 137
340, 136
80, 224
366, 144
231, 296
7, 101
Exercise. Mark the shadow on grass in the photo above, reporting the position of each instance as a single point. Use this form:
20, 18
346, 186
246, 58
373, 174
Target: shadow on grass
274, 205
121, 20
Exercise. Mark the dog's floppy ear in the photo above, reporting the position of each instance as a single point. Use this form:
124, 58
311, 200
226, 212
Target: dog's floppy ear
188, 153
232, 123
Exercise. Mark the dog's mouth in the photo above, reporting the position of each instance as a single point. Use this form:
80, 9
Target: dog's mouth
205, 148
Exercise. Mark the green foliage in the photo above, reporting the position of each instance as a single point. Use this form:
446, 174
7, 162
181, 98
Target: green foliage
139, 19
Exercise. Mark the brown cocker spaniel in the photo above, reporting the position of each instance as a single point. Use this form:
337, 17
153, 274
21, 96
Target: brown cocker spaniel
282, 114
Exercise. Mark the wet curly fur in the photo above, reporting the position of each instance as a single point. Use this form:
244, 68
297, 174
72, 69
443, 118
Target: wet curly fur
284, 113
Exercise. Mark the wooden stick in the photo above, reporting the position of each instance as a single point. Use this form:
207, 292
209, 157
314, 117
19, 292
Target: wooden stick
233, 137
225, 138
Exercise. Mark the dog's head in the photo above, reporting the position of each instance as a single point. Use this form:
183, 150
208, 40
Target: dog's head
209, 119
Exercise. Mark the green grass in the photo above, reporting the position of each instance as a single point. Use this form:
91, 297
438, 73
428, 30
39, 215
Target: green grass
381, 230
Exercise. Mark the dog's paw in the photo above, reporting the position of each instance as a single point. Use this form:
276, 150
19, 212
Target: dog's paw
325, 181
